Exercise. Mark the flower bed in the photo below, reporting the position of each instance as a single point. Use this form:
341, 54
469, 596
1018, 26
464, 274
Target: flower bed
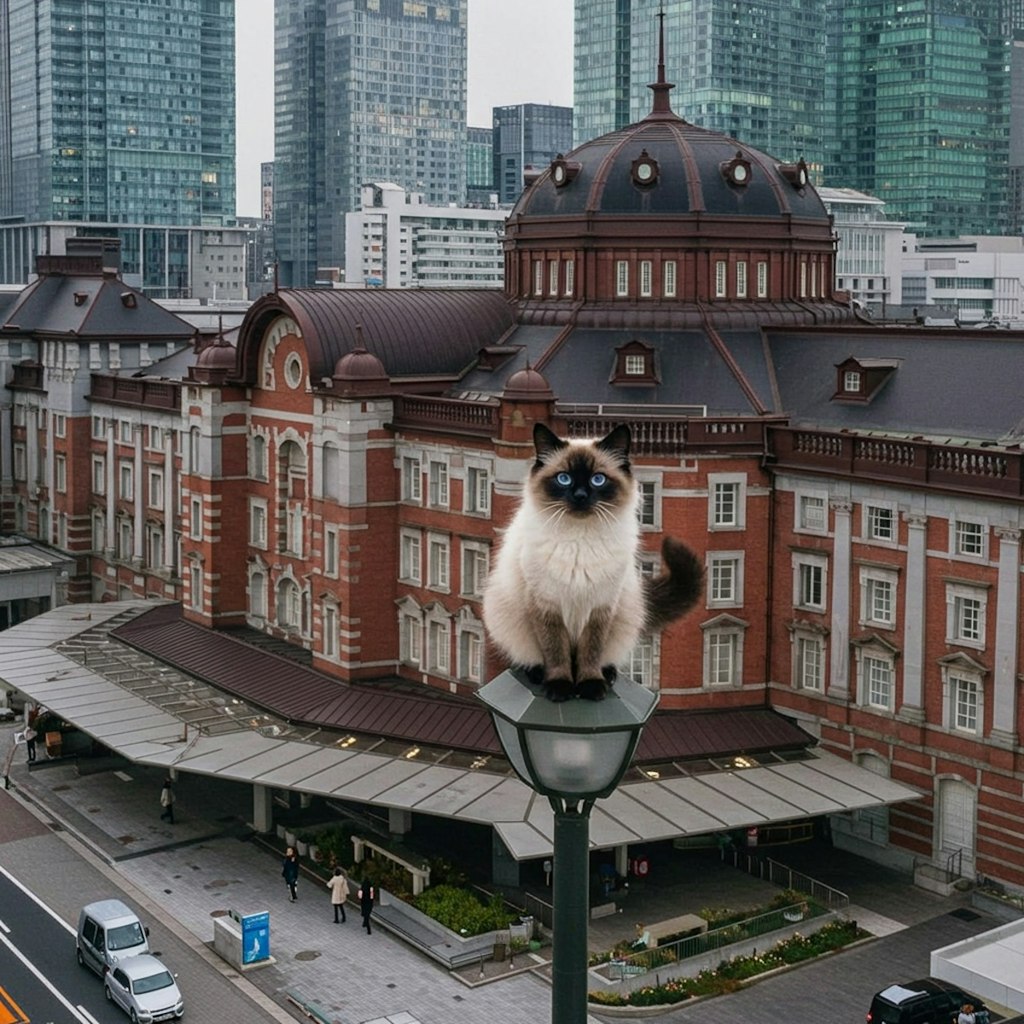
730, 974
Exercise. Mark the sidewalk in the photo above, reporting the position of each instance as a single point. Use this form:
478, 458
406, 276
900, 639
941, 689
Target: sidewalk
207, 864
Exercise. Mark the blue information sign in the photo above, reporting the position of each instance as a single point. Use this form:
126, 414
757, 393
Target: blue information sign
255, 937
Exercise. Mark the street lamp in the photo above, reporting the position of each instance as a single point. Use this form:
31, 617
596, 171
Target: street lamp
573, 752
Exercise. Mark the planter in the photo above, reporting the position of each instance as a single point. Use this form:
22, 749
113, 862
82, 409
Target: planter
314, 853
289, 837
301, 848
280, 830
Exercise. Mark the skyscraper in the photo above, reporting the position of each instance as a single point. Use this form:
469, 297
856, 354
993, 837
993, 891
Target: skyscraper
527, 135
921, 117
751, 70
365, 90
479, 165
117, 112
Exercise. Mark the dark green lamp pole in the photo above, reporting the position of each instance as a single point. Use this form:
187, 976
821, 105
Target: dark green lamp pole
573, 752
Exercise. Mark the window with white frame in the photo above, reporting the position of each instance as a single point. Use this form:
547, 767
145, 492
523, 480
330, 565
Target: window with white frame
289, 604
439, 640
330, 630
762, 279
98, 532
438, 561
668, 279
812, 513
721, 279
20, 463
725, 579
155, 437
876, 679
877, 597
154, 546
809, 581
126, 480
727, 501
60, 425
438, 484
969, 537
124, 431
195, 524
19, 414
412, 481
156, 488
538, 277
99, 428
475, 566
741, 279
471, 655
294, 525
635, 364
723, 652
410, 567
331, 549
808, 661
478, 490
193, 450
965, 614
641, 661
60, 473
803, 279
331, 472
648, 510
570, 276
125, 538
963, 695
410, 639
646, 279
195, 585
852, 381
258, 457
99, 474
258, 522
552, 277
621, 278
879, 523
61, 522
258, 594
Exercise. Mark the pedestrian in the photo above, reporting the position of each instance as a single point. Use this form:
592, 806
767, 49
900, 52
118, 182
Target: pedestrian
966, 1014
338, 884
30, 743
290, 871
167, 801
366, 898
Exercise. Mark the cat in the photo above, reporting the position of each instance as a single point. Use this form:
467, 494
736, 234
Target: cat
566, 600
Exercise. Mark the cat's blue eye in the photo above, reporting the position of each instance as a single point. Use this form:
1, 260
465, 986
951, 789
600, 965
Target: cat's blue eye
563, 479
598, 480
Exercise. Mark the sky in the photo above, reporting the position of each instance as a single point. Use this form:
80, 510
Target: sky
520, 51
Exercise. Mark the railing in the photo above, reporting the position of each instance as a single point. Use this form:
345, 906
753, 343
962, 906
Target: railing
541, 911
27, 375
449, 414
954, 866
665, 436
158, 394
779, 874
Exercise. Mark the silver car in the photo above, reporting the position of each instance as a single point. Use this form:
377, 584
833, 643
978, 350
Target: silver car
144, 988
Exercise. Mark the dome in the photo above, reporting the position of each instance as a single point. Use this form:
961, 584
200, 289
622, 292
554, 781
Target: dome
528, 385
218, 356
360, 372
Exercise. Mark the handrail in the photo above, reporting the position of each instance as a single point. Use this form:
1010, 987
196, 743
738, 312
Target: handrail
952, 874
784, 876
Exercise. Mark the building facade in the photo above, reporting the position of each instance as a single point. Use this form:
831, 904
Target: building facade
921, 98
480, 189
527, 136
859, 522
752, 71
363, 92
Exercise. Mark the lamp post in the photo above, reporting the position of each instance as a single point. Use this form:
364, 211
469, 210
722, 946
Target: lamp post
573, 752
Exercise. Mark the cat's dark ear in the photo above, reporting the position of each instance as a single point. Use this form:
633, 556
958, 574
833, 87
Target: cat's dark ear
545, 441
617, 443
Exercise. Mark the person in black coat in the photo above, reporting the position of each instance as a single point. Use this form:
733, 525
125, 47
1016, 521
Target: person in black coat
290, 871
366, 898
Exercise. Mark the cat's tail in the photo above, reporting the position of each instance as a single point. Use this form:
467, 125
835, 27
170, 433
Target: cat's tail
677, 589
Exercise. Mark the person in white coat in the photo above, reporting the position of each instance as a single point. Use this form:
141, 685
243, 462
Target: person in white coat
338, 884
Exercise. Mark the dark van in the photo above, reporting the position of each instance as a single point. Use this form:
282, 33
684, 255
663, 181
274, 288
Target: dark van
923, 1002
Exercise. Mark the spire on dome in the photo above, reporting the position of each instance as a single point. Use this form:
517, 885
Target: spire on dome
661, 88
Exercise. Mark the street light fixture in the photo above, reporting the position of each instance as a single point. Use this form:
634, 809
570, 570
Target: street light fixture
573, 752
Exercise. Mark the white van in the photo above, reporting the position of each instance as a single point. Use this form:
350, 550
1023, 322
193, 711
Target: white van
108, 931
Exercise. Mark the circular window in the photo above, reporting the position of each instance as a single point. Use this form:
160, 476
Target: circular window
293, 371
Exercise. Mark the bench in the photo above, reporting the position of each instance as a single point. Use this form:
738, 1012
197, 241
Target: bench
685, 924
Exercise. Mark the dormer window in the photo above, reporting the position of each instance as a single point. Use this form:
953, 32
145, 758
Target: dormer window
645, 170
859, 380
563, 171
737, 170
796, 174
635, 365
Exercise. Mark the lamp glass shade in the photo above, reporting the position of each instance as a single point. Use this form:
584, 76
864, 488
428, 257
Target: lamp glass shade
579, 764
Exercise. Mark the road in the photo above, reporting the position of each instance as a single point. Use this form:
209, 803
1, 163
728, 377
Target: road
44, 881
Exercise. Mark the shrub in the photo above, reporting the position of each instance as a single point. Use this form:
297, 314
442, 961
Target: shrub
459, 910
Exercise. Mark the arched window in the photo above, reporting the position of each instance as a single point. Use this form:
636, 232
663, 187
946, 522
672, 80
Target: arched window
289, 604
258, 595
258, 457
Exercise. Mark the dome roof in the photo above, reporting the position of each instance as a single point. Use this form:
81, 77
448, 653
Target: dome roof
528, 385
218, 356
359, 365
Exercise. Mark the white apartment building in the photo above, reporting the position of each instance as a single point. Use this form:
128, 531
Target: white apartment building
977, 275
870, 248
395, 240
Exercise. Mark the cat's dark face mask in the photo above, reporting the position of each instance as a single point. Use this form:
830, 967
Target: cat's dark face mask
580, 485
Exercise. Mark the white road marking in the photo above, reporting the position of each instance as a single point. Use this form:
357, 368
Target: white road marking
35, 899
44, 980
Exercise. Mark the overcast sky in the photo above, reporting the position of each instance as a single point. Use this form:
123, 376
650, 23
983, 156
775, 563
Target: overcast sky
520, 51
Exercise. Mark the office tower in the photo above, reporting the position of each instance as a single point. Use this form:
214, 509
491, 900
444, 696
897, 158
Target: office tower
527, 135
365, 90
752, 71
479, 166
921, 117
117, 112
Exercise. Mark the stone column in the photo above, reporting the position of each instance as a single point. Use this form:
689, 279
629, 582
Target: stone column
141, 497
1004, 709
399, 821
914, 600
839, 677
170, 497
262, 808
504, 867
622, 860
111, 503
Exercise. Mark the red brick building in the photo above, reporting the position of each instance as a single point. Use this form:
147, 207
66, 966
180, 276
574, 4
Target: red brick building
339, 478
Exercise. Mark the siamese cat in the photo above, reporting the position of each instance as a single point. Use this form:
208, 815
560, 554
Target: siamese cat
565, 600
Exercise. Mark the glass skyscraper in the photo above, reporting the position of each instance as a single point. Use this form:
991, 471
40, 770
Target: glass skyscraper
527, 135
922, 92
753, 70
365, 91
117, 111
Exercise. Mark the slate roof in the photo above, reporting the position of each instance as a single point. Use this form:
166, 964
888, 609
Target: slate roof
304, 696
413, 332
91, 306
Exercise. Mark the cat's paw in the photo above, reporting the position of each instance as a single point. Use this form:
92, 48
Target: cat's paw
559, 690
535, 673
593, 689
610, 673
